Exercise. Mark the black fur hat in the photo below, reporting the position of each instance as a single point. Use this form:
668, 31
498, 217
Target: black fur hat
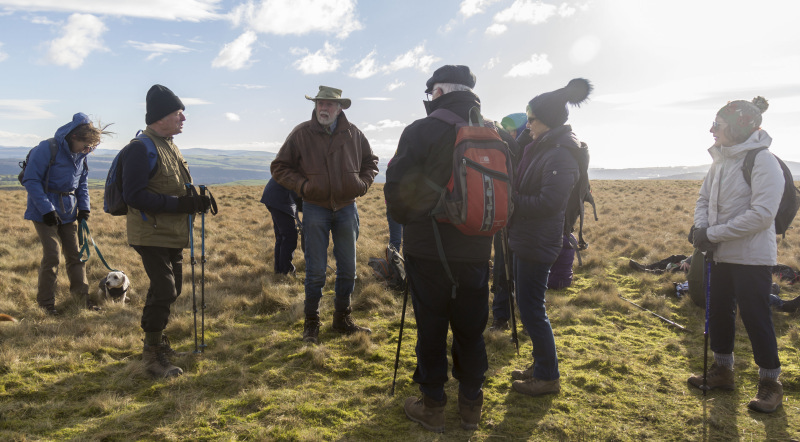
551, 107
161, 102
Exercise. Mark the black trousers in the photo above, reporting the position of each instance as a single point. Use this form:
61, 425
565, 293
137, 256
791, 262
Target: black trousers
164, 267
436, 311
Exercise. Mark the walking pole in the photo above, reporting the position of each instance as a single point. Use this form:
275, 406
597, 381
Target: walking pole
192, 192
400, 337
202, 275
709, 258
510, 283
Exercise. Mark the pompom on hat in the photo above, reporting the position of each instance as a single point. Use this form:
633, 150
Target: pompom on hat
743, 117
330, 94
161, 102
551, 107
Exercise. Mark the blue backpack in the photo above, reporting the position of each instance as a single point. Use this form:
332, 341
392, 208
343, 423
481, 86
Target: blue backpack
113, 202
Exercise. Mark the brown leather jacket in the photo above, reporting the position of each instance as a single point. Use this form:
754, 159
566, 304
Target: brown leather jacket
329, 170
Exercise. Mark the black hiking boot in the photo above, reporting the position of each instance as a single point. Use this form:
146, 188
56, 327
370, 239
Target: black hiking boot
343, 323
311, 329
790, 306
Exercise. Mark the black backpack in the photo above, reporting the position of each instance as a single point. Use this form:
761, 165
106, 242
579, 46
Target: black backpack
790, 201
581, 194
24, 163
113, 202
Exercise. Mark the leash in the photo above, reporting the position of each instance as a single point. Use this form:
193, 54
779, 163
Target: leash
83, 240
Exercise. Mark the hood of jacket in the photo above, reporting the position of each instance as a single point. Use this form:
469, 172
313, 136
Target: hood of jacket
759, 138
62, 132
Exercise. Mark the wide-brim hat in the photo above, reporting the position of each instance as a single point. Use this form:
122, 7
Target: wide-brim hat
330, 94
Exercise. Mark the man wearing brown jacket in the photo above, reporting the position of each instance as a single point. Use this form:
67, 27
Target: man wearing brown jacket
328, 162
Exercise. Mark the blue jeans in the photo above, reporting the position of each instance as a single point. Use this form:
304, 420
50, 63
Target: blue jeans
745, 286
319, 224
435, 311
395, 231
531, 285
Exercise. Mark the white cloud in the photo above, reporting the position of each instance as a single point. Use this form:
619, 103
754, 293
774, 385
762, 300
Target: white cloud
381, 125
3, 55
236, 54
12, 139
247, 86
299, 17
40, 20
494, 61
376, 99
194, 101
496, 29
319, 62
565, 10
158, 49
472, 7
395, 85
79, 37
532, 12
537, 65
177, 10
24, 109
232, 117
415, 58
366, 67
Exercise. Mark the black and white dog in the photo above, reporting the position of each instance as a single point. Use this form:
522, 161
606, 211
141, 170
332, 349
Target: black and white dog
114, 287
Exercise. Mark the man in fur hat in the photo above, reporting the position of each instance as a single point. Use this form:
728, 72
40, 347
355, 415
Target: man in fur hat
328, 162
158, 196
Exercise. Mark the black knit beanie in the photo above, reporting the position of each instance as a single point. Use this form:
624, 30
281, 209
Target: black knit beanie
160, 103
551, 107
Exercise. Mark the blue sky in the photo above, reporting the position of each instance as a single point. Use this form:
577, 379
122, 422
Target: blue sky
661, 70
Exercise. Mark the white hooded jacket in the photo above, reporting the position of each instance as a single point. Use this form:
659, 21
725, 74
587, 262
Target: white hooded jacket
741, 218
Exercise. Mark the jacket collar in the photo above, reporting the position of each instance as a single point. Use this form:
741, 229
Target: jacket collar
759, 138
454, 101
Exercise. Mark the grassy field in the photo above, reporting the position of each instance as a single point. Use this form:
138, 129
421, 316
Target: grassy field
79, 376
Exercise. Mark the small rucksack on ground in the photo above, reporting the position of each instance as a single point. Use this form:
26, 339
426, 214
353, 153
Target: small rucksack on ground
477, 199
390, 269
24, 163
581, 194
790, 201
113, 202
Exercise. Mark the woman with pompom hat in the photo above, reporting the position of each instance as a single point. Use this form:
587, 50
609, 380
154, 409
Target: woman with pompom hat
734, 221
543, 182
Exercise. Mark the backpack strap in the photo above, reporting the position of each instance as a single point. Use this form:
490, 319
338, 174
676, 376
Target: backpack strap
749, 162
440, 249
53, 152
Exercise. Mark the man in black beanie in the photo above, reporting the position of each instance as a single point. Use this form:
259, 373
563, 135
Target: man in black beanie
156, 195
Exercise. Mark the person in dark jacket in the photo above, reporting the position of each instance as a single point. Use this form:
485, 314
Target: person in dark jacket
425, 152
542, 186
159, 214
58, 200
328, 162
282, 204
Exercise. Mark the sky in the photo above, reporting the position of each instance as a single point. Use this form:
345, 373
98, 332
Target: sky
660, 69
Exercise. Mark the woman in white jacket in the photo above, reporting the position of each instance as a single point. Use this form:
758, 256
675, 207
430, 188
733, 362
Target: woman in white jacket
734, 223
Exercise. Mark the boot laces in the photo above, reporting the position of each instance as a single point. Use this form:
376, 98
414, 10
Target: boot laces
766, 391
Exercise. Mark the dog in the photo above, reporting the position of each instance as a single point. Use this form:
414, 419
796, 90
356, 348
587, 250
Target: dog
114, 287
5, 317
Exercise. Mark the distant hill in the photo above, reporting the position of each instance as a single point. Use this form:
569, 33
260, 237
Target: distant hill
216, 166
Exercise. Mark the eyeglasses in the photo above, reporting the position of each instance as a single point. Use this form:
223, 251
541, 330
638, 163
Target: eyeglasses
716, 126
531, 120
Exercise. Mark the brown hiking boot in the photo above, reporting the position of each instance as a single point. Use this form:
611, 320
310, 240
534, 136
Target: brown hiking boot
470, 411
343, 323
427, 412
537, 387
157, 362
521, 375
717, 377
311, 329
769, 396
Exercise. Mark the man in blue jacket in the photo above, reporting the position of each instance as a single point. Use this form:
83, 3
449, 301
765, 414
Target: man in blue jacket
58, 199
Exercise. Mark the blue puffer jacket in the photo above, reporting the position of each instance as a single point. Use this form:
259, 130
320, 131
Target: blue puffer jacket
542, 185
67, 188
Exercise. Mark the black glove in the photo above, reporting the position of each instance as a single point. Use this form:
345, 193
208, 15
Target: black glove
51, 219
83, 215
701, 241
193, 203
691, 235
